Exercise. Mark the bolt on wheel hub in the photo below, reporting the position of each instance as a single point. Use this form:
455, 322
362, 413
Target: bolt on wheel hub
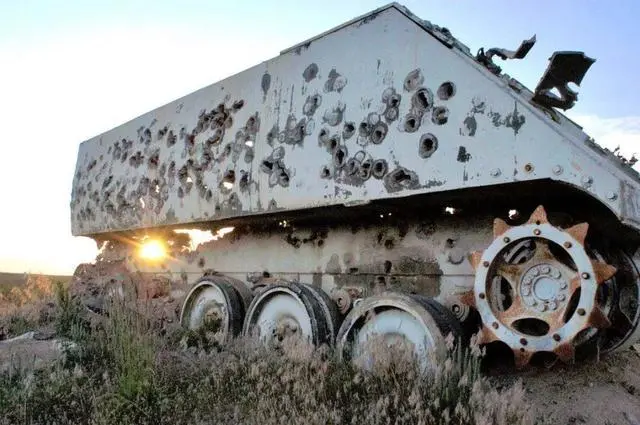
544, 287
542, 301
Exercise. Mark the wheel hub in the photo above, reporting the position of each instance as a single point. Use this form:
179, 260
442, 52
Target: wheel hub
285, 328
544, 287
540, 302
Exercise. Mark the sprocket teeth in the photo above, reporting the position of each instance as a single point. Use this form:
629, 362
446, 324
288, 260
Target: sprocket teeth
539, 216
566, 352
475, 258
603, 271
522, 358
578, 232
500, 227
486, 336
598, 319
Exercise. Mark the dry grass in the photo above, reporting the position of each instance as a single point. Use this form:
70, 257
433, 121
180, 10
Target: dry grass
26, 302
121, 372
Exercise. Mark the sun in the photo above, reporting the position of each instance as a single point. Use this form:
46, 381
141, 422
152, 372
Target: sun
152, 250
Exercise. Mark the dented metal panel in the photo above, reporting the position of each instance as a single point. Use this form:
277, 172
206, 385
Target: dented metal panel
329, 122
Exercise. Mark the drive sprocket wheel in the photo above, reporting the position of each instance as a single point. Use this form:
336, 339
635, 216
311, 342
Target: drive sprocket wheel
540, 302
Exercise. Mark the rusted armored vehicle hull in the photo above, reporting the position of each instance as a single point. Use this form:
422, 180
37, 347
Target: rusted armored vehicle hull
377, 179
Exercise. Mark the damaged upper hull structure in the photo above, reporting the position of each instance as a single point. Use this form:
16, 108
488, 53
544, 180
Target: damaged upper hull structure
329, 130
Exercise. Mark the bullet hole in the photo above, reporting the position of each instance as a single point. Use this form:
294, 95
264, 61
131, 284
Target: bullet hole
364, 129
446, 90
335, 82
146, 138
400, 179
228, 123
411, 123
391, 114
379, 132
208, 195
470, 126
244, 180
107, 181
237, 105
349, 130
463, 155
154, 159
249, 155
450, 243
267, 166
190, 141
422, 100
162, 132
333, 116
352, 166
413, 80
339, 156
253, 124
440, 115
274, 166
387, 266
333, 143
91, 165
227, 150
325, 172
265, 83
323, 136
312, 104
229, 179
320, 243
364, 172
234, 202
183, 174
310, 72
294, 132
428, 145
206, 159
283, 178
379, 168
136, 159
171, 139
389, 244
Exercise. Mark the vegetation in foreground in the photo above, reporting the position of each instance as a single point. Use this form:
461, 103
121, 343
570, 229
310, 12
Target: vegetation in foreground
120, 371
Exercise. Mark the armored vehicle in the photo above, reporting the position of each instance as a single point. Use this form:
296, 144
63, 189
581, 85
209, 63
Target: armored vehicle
378, 179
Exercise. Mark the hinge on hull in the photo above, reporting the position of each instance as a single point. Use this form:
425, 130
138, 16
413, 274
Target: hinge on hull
564, 68
487, 58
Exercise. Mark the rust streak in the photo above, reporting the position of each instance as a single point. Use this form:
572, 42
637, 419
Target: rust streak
603, 271
500, 227
539, 216
579, 232
566, 352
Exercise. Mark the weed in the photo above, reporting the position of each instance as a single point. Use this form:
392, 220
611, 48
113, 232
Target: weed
121, 372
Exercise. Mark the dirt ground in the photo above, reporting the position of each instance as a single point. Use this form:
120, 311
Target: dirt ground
593, 393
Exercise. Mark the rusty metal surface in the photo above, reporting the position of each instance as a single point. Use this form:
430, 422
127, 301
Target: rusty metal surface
552, 294
330, 123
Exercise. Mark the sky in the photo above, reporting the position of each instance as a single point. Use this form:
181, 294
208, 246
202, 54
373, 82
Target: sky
70, 70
